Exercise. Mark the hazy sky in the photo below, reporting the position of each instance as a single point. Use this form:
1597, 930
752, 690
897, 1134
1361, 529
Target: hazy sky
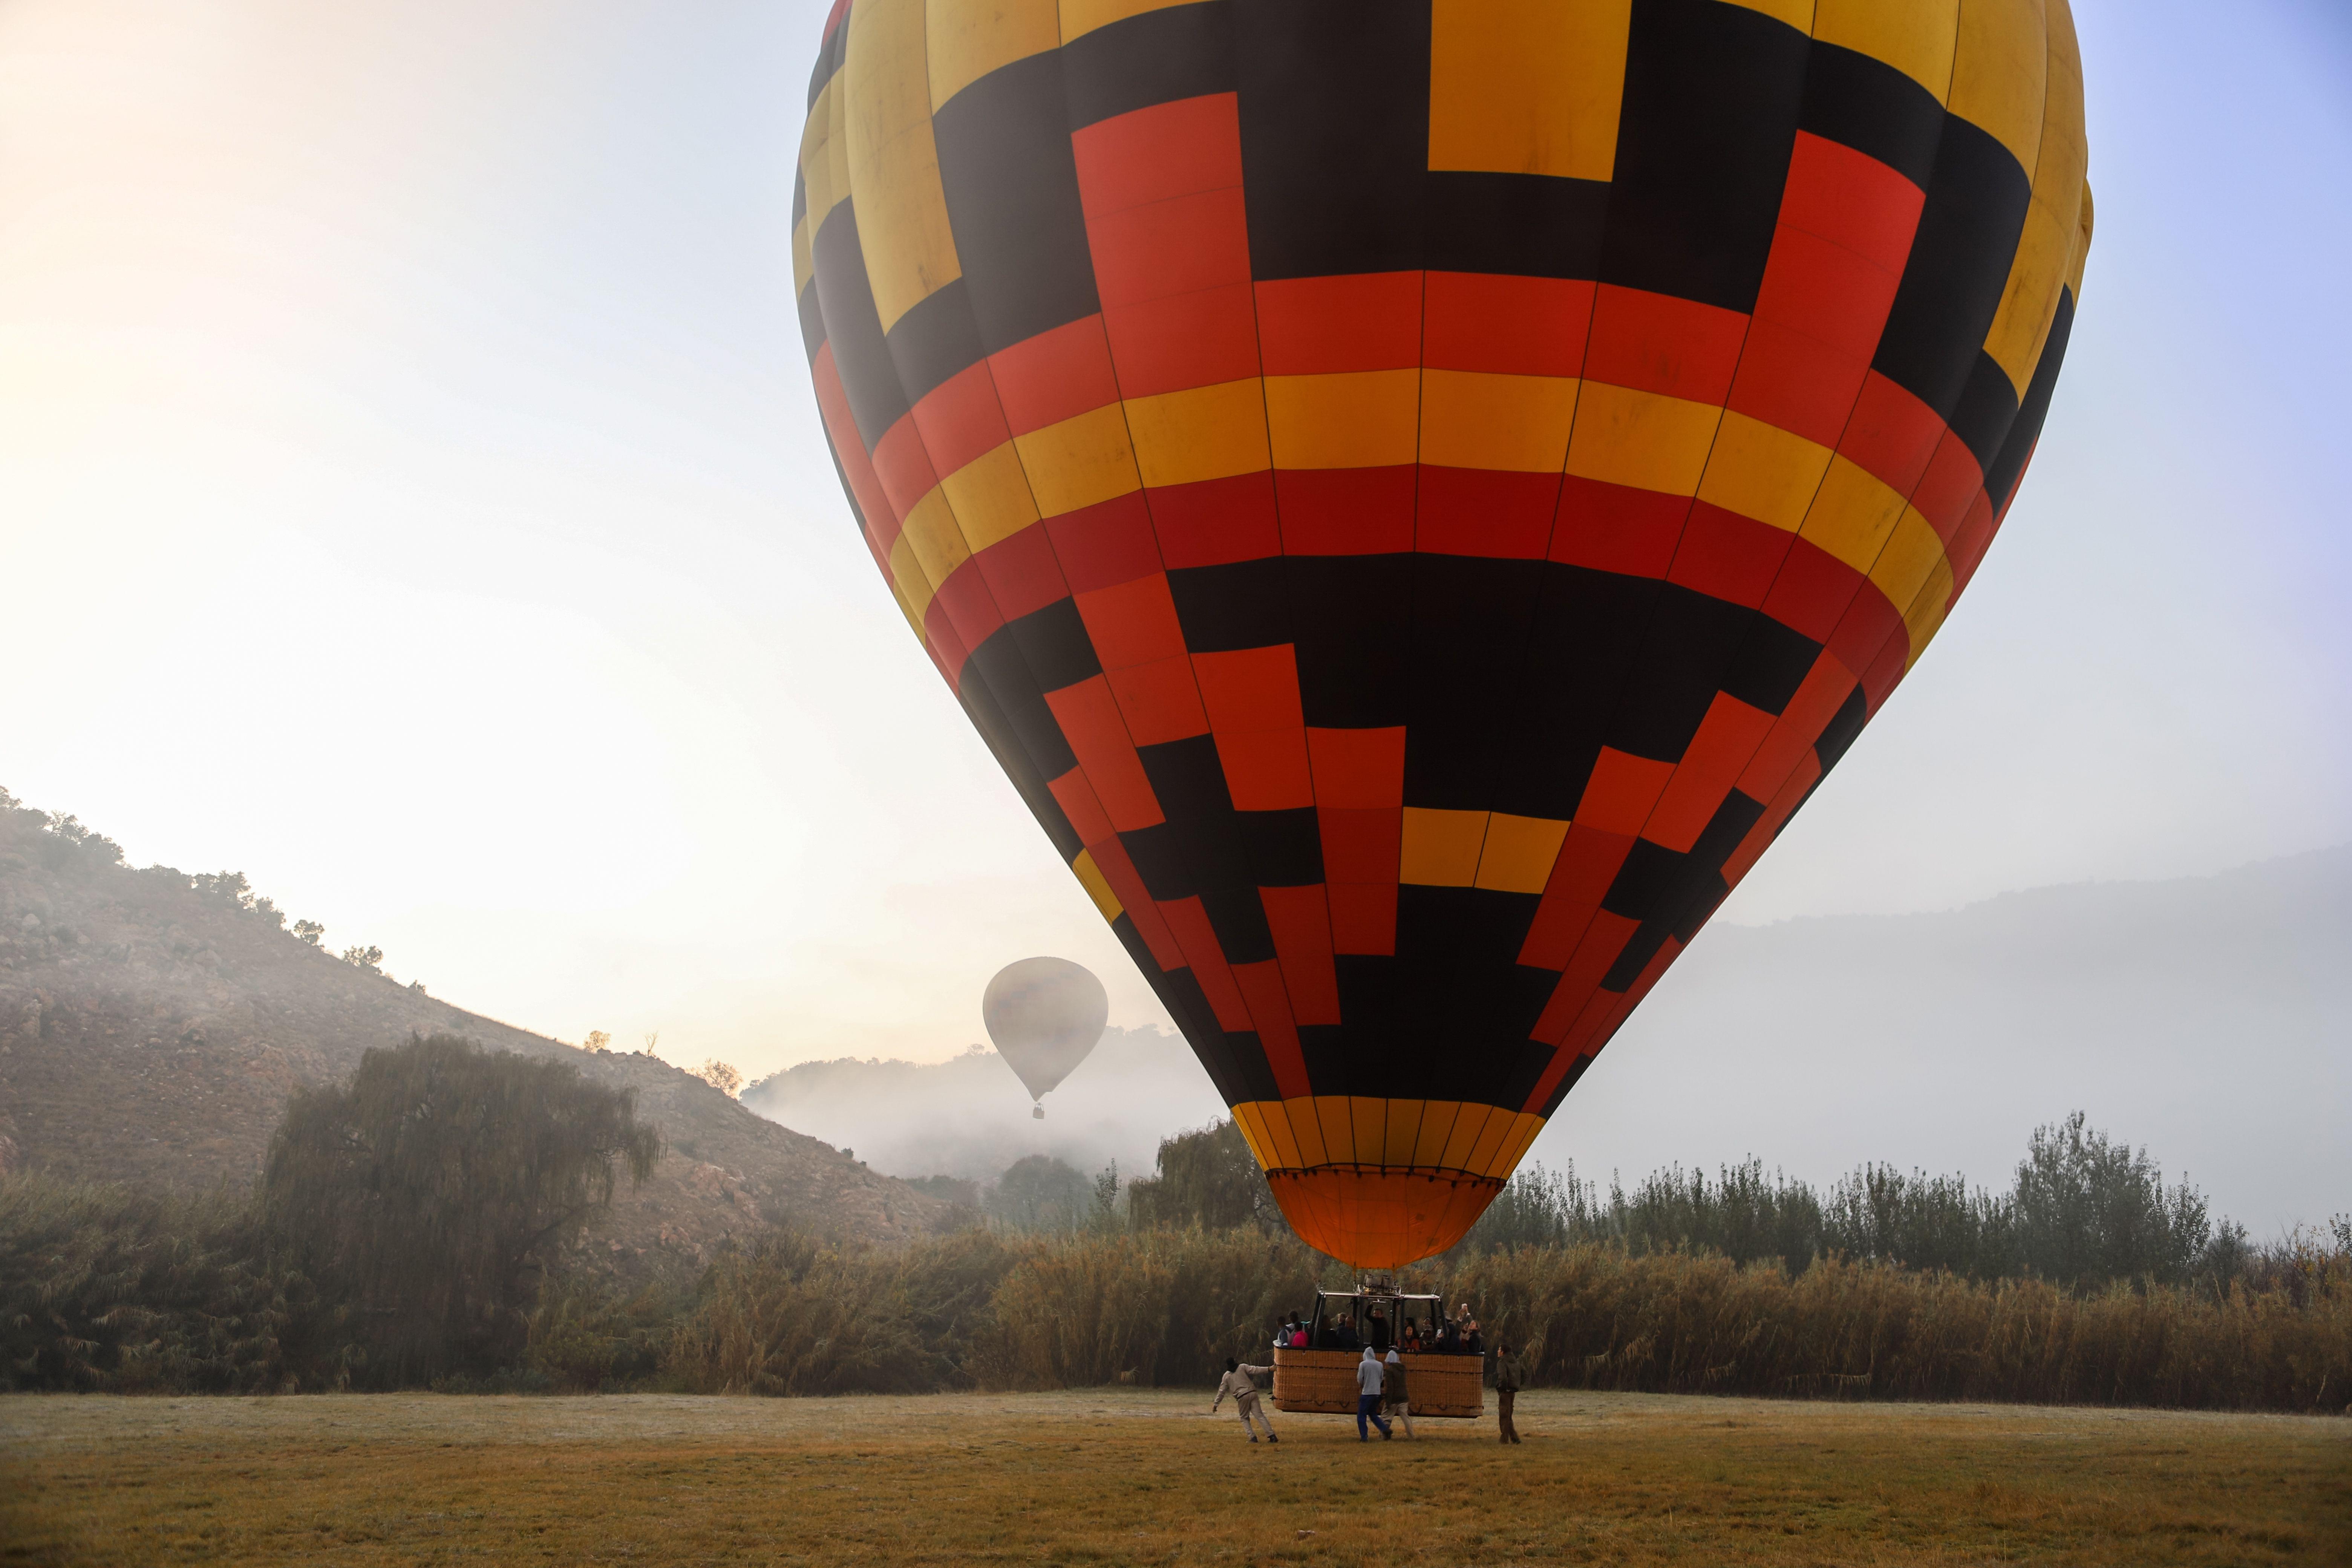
410, 495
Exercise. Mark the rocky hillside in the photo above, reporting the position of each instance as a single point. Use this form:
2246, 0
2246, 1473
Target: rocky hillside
152, 1023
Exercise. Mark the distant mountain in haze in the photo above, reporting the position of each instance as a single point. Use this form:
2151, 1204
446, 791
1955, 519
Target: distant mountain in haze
970, 1116
2208, 1018
151, 1025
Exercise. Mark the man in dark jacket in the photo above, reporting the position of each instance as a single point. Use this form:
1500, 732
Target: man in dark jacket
1508, 1374
1394, 1397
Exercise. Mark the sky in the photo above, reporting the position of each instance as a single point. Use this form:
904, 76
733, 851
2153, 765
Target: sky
410, 495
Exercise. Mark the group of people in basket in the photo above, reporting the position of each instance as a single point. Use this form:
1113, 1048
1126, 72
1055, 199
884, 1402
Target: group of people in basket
1383, 1392
1457, 1335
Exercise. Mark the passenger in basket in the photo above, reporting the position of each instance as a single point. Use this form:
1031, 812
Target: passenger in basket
1297, 1332
1371, 1380
1238, 1382
1412, 1337
1380, 1330
1392, 1393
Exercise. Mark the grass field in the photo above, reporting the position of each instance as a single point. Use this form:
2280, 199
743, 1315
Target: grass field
1130, 1476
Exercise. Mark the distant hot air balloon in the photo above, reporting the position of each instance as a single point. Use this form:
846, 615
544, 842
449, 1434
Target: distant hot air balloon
1045, 1015
1415, 495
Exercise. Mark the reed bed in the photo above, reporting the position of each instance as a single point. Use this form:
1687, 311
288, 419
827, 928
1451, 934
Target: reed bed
1593, 1316
114, 1289
1167, 1307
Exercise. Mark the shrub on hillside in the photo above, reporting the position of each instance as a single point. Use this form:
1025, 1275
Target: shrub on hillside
1040, 1193
959, 1190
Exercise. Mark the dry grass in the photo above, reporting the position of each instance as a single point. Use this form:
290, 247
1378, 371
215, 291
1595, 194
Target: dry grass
1128, 1476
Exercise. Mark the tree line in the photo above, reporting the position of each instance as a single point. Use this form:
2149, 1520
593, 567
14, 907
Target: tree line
2081, 1209
414, 1228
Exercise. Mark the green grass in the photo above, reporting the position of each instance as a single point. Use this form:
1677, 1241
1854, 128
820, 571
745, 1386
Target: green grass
1125, 1475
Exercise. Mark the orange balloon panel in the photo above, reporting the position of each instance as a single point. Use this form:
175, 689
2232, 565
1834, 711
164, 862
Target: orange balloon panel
1380, 1219
1415, 495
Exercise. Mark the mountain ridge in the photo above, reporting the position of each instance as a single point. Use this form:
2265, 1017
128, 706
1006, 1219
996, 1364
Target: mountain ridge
151, 1025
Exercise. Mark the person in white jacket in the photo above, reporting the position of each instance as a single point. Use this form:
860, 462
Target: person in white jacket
1371, 1378
1237, 1382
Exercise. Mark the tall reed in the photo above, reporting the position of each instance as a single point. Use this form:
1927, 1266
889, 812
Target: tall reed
125, 1289
1593, 1316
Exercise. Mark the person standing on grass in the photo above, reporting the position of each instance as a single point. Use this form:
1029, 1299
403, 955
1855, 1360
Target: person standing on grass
1371, 1380
1392, 1393
1238, 1382
1508, 1374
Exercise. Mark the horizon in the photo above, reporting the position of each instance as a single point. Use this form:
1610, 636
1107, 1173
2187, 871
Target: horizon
1165, 1028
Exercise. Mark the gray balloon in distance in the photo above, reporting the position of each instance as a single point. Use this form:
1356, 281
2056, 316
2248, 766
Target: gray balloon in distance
1045, 1015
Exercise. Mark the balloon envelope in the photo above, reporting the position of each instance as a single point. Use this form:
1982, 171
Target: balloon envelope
1415, 495
1045, 1015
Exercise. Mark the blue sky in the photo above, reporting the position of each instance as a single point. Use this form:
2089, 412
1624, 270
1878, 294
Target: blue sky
414, 498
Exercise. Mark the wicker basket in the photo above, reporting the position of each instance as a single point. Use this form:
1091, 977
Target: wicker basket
1325, 1382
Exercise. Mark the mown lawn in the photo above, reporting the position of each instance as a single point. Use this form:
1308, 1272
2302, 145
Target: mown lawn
1132, 1476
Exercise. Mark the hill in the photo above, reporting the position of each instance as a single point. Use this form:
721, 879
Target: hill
152, 1023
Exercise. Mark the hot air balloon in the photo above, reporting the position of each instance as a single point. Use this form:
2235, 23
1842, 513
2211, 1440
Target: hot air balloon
1045, 1015
1416, 494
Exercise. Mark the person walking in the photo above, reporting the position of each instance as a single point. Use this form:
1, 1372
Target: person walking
1238, 1382
1371, 1379
1392, 1390
1508, 1374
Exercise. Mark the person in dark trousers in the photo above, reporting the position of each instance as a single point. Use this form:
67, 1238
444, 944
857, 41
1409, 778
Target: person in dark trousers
1508, 1374
1393, 1395
1371, 1382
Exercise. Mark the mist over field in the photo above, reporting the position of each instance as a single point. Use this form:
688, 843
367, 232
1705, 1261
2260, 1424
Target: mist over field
970, 1116
2204, 1018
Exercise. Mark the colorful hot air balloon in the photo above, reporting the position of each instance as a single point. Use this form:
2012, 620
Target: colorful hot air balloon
1416, 494
1045, 1015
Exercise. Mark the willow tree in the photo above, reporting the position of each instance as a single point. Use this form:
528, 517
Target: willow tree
1207, 1177
431, 1191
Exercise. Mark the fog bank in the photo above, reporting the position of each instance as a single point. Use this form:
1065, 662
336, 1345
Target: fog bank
2203, 1017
